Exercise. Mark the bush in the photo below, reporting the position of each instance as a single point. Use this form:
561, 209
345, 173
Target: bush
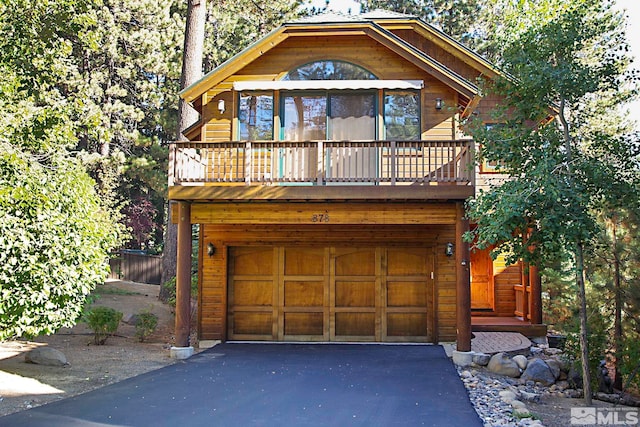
170, 287
103, 321
146, 325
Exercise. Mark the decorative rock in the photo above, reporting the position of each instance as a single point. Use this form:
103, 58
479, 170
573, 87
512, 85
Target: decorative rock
481, 359
552, 351
521, 361
516, 404
562, 385
46, 356
529, 397
501, 364
574, 378
507, 396
466, 374
462, 358
538, 371
555, 366
130, 319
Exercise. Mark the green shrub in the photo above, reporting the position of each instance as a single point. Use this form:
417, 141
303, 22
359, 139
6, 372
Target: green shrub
146, 325
170, 287
103, 321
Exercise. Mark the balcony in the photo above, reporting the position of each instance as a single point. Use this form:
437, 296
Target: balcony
322, 169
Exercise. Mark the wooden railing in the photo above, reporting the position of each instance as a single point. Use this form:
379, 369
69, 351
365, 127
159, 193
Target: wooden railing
321, 162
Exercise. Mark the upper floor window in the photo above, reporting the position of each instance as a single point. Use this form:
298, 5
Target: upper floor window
255, 116
402, 115
330, 70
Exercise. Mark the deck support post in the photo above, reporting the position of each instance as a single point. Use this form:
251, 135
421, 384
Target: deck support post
463, 282
182, 349
535, 281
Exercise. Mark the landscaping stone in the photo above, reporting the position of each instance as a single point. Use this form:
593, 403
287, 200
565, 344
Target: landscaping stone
462, 358
46, 356
481, 359
529, 397
521, 361
130, 319
501, 364
538, 371
507, 396
555, 366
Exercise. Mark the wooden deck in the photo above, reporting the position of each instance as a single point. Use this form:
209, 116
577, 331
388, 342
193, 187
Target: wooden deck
507, 324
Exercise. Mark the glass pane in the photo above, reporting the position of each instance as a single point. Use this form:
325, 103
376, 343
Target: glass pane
330, 70
352, 117
305, 117
402, 115
255, 116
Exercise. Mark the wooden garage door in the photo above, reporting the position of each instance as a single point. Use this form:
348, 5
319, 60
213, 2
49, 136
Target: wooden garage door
330, 294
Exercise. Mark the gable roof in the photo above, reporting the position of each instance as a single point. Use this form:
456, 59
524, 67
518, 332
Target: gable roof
377, 25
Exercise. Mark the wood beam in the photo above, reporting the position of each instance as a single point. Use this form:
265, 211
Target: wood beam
535, 281
183, 276
463, 282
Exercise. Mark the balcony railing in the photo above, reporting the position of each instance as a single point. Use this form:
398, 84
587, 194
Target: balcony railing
321, 162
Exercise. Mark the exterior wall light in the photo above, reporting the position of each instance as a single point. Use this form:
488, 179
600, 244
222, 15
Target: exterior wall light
439, 103
211, 249
221, 106
449, 249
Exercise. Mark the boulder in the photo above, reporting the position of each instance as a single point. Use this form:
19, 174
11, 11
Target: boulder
538, 371
574, 378
462, 358
521, 361
481, 359
529, 397
501, 364
507, 396
131, 319
556, 367
46, 356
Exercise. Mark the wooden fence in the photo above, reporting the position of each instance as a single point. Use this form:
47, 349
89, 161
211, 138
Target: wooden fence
136, 267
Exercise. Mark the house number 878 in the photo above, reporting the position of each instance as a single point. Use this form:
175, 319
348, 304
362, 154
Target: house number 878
323, 217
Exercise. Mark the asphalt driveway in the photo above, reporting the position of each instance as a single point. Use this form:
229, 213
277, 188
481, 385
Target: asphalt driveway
277, 385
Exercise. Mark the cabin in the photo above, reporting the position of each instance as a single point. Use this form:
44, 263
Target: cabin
328, 175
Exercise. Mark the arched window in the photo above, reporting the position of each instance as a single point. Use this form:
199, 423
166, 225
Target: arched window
330, 70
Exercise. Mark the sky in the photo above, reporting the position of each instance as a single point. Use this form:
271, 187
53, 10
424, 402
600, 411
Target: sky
633, 33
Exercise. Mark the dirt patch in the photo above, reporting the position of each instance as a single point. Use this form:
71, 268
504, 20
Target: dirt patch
24, 385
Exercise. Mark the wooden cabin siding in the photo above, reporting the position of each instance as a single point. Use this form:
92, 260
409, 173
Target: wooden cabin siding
358, 49
377, 229
438, 53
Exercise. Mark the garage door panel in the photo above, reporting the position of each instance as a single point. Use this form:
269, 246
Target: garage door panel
251, 261
407, 325
355, 262
356, 324
355, 294
303, 294
304, 261
253, 292
406, 294
304, 324
251, 323
407, 262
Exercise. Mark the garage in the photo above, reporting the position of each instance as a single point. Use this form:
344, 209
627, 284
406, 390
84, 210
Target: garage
327, 293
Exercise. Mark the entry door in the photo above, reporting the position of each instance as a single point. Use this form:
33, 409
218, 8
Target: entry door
481, 280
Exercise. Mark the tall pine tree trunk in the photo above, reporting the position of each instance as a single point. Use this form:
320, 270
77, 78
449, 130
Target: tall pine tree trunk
617, 328
191, 72
584, 335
